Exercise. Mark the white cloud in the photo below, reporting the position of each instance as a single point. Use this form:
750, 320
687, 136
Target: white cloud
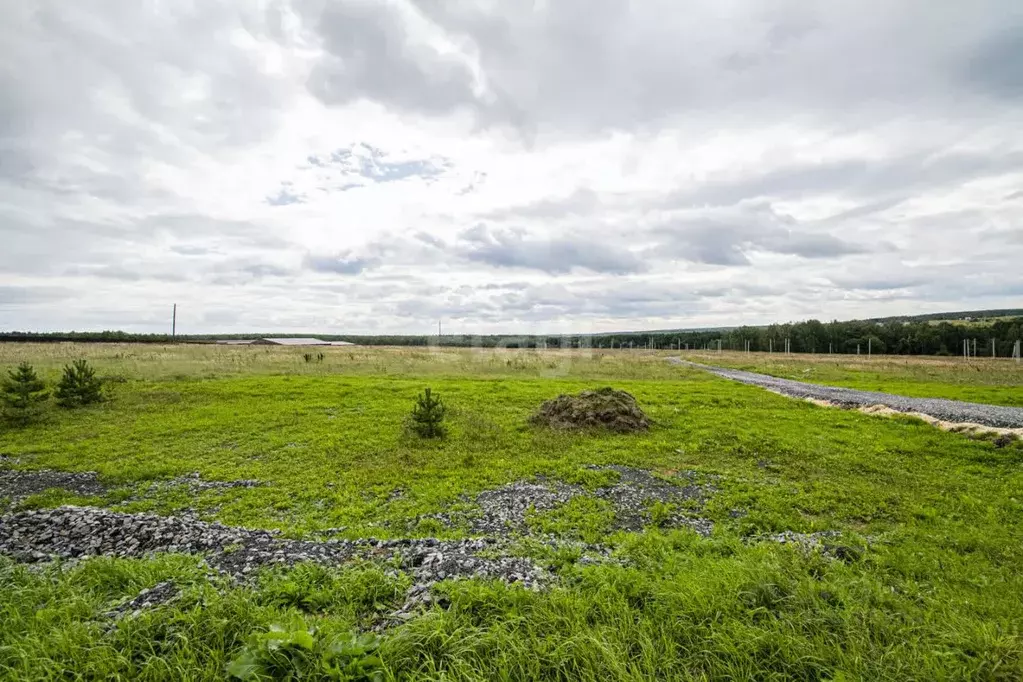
358, 166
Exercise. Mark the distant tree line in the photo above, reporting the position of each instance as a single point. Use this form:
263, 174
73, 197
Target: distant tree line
897, 336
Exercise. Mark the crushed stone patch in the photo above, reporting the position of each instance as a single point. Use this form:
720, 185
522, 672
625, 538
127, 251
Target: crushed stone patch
157, 595
196, 484
78, 532
17, 484
636, 489
507, 509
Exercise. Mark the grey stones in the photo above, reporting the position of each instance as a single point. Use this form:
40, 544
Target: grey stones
17, 485
196, 484
74, 532
78, 532
506, 509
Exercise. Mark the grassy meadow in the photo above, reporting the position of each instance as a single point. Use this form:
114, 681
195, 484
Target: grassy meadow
933, 590
995, 381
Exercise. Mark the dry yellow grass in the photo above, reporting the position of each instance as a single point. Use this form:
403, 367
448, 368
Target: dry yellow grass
162, 361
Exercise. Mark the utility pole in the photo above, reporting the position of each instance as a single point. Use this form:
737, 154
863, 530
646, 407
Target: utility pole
870, 342
174, 321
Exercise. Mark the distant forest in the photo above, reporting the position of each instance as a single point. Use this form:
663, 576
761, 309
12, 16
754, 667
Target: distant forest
934, 334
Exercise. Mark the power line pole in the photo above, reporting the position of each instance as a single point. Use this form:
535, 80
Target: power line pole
174, 321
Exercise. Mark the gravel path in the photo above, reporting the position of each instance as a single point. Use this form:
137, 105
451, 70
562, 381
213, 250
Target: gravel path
945, 410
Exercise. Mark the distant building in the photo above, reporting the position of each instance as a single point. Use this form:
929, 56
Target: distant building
297, 341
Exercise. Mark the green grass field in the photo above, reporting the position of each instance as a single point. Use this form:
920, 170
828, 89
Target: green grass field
995, 381
934, 590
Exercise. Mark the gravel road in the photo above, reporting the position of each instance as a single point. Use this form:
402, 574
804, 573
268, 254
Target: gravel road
946, 410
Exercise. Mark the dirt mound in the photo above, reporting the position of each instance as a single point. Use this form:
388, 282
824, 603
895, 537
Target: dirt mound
604, 408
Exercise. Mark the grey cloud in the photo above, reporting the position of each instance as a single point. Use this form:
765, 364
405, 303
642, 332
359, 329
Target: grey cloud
11, 296
995, 65
870, 282
886, 182
514, 248
233, 271
727, 237
581, 202
123, 273
373, 51
577, 65
191, 250
809, 245
342, 264
285, 197
266, 270
429, 239
113, 101
878, 184
38, 242
543, 303
116, 101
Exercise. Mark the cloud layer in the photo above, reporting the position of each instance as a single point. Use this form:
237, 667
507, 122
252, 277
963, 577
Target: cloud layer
371, 166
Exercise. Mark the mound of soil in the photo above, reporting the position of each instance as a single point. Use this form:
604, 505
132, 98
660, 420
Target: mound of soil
604, 408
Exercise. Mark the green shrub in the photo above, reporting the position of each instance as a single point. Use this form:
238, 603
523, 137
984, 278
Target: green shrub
79, 385
428, 415
22, 393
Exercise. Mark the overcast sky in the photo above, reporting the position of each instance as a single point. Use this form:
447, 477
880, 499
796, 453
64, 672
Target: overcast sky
364, 166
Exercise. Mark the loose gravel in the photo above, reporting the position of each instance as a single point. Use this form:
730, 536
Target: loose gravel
157, 595
507, 509
17, 485
945, 410
77, 532
195, 483
501, 515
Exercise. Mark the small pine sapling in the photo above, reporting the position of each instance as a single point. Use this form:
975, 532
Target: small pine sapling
22, 393
79, 385
428, 415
